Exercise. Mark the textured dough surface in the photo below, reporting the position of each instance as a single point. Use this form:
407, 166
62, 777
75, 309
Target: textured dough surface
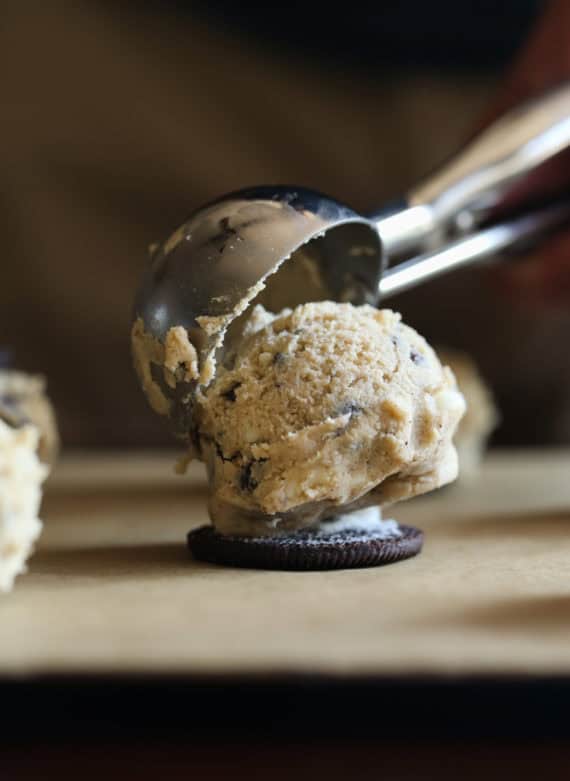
482, 415
21, 476
326, 406
23, 400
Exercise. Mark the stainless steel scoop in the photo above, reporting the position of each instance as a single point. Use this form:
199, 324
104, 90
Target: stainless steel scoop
301, 245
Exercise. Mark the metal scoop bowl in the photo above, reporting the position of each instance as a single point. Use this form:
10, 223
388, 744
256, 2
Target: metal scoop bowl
284, 245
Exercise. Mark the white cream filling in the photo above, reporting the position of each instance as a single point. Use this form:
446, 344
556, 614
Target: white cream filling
368, 520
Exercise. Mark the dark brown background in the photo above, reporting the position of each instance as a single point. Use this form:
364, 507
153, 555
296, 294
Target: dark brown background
119, 119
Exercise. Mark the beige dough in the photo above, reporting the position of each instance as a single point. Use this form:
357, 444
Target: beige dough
21, 476
326, 406
482, 414
23, 400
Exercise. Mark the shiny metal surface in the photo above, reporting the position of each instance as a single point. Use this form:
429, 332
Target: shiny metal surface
463, 190
213, 264
482, 245
511, 147
301, 245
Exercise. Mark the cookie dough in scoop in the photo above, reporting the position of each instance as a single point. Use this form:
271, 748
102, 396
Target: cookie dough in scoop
324, 409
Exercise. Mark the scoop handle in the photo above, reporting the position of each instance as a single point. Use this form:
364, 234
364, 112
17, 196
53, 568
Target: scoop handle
509, 148
481, 246
470, 184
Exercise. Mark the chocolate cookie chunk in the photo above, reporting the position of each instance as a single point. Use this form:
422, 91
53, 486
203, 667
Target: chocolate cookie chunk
305, 550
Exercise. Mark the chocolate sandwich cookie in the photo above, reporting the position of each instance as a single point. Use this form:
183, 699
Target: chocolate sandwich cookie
306, 550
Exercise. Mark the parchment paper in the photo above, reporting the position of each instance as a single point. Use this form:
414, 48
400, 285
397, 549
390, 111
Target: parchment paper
112, 588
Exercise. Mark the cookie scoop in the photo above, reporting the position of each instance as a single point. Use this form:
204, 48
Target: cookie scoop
284, 246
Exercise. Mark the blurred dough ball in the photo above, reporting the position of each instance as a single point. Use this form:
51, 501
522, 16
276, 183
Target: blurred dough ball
482, 415
23, 400
21, 478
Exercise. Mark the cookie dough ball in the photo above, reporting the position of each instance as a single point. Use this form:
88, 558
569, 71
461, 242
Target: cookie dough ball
21, 477
23, 400
324, 407
482, 415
